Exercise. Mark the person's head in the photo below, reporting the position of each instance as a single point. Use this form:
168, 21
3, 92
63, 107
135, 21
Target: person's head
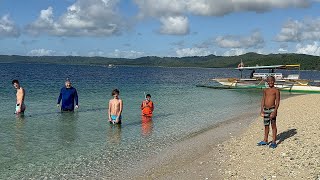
115, 93
16, 84
270, 81
148, 96
68, 83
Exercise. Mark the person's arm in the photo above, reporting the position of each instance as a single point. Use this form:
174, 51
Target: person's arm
262, 103
120, 111
59, 98
277, 102
76, 98
109, 111
142, 105
21, 99
151, 106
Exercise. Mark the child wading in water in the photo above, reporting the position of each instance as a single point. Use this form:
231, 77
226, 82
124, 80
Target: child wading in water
269, 106
115, 108
147, 106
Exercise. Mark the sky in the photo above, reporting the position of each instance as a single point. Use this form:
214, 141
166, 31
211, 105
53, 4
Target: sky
175, 28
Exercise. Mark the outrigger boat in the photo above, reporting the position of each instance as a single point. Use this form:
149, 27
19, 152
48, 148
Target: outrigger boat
291, 82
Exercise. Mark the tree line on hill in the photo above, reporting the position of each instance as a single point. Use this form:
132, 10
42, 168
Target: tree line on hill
307, 62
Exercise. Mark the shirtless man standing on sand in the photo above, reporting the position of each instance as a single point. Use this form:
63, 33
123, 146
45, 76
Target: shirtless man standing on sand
115, 108
20, 106
269, 106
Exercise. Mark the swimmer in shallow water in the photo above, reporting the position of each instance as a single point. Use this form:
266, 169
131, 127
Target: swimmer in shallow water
20, 106
115, 108
68, 95
147, 106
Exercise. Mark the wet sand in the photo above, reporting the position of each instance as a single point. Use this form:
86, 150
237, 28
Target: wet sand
195, 157
228, 150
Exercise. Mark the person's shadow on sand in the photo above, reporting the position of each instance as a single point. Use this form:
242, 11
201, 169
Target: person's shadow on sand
286, 134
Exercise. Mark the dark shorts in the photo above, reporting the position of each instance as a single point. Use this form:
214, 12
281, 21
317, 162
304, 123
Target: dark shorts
266, 118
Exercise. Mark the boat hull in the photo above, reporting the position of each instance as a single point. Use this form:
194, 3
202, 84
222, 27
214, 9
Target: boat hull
283, 85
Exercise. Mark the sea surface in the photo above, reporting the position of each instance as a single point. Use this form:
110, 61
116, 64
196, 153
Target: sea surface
45, 143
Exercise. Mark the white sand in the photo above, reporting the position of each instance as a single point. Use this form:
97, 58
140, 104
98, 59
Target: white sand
298, 153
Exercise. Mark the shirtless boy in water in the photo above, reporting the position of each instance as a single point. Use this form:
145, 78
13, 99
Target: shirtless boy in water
269, 106
20, 106
115, 108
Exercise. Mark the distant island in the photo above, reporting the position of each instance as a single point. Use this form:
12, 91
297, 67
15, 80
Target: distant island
308, 62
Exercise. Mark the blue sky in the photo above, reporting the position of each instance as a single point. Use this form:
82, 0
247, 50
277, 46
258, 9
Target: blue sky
135, 28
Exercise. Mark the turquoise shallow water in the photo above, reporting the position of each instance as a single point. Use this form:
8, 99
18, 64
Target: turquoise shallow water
47, 143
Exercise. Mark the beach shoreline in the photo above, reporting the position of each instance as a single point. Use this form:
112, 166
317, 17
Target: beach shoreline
229, 151
187, 158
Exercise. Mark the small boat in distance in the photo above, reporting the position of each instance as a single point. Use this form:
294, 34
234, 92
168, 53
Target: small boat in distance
257, 80
111, 66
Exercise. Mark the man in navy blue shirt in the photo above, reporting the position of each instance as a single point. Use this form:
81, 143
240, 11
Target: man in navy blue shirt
68, 95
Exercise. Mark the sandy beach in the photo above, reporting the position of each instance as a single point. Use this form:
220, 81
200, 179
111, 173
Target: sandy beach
229, 151
297, 155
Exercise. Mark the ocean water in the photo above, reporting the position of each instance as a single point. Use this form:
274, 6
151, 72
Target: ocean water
45, 143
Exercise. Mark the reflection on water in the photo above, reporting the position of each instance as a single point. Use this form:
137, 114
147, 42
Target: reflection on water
114, 133
146, 125
19, 133
67, 128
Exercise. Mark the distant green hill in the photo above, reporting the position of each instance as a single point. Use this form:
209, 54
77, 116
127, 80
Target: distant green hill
250, 59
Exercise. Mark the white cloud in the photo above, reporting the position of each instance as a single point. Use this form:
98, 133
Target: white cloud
281, 50
178, 25
263, 51
8, 27
83, 18
102, 18
220, 8
311, 49
156, 8
192, 52
255, 40
126, 54
41, 52
162, 9
44, 23
235, 52
297, 31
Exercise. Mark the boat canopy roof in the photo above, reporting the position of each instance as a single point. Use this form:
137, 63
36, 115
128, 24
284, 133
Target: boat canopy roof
289, 66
